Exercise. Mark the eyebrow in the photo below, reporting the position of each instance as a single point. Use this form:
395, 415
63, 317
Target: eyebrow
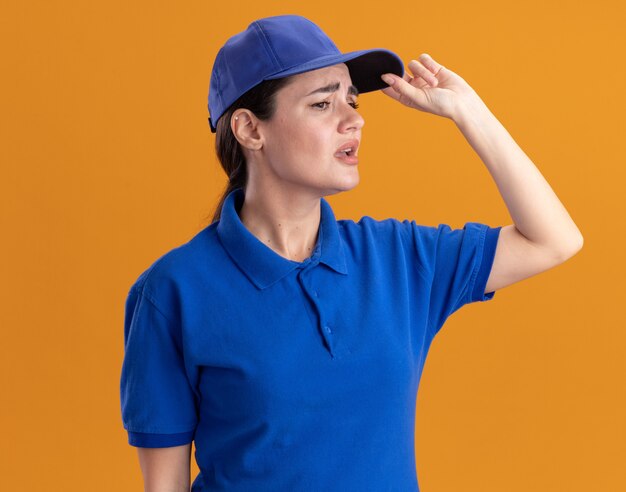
352, 90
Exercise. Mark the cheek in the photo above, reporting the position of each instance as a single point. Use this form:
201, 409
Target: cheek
315, 138
302, 141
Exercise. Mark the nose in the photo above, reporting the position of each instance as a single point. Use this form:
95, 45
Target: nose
351, 119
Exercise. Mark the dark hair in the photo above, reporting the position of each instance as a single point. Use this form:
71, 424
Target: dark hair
261, 101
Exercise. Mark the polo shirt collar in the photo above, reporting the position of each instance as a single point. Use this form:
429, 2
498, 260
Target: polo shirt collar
262, 265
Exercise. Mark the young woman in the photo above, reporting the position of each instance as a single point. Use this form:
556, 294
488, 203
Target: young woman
288, 344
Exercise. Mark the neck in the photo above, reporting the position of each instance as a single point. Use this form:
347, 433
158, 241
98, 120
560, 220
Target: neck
285, 221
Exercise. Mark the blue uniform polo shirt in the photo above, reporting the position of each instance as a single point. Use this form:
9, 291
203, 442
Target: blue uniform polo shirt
295, 376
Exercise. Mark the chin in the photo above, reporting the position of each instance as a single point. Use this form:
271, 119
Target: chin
347, 185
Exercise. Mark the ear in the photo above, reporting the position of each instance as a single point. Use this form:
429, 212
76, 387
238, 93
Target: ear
244, 124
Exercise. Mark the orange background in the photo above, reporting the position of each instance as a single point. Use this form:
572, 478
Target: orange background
108, 162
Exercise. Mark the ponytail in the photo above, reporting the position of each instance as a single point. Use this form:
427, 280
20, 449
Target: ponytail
261, 100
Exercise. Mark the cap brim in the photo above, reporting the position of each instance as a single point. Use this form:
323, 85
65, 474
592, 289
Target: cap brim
365, 66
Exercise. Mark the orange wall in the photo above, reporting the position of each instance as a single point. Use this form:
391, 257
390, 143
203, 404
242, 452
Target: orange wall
108, 162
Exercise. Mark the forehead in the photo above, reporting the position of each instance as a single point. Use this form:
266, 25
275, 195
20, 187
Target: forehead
303, 83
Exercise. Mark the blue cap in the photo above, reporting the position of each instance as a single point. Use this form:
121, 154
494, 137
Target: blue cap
283, 45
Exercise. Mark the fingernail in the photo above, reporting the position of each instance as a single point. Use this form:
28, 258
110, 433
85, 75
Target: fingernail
387, 78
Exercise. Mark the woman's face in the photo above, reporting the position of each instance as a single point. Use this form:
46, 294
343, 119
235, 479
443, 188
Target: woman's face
315, 116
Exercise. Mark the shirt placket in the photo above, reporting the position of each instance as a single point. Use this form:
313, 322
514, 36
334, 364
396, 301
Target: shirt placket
325, 325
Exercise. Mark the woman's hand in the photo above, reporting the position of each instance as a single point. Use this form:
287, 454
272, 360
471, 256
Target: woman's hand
433, 88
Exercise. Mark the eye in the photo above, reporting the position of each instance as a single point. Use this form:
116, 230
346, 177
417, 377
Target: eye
317, 105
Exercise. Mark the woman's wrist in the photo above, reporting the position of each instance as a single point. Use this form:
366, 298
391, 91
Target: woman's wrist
470, 110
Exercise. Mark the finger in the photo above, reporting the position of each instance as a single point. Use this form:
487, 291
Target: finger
415, 81
430, 63
420, 70
403, 89
420, 83
391, 93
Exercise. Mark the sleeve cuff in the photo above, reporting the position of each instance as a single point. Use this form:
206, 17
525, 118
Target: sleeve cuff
489, 251
143, 440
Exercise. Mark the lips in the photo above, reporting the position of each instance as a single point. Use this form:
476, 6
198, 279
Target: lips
348, 149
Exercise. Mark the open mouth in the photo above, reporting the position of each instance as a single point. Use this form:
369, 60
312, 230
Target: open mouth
349, 149
347, 153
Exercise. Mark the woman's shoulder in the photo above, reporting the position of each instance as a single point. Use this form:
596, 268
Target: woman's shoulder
388, 235
404, 227
389, 225
367, 222
178, 264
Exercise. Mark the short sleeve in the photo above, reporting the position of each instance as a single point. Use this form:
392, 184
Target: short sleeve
158, 403
460, 263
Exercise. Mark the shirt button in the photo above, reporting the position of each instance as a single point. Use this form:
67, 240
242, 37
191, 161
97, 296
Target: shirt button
316, 294
328, 329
